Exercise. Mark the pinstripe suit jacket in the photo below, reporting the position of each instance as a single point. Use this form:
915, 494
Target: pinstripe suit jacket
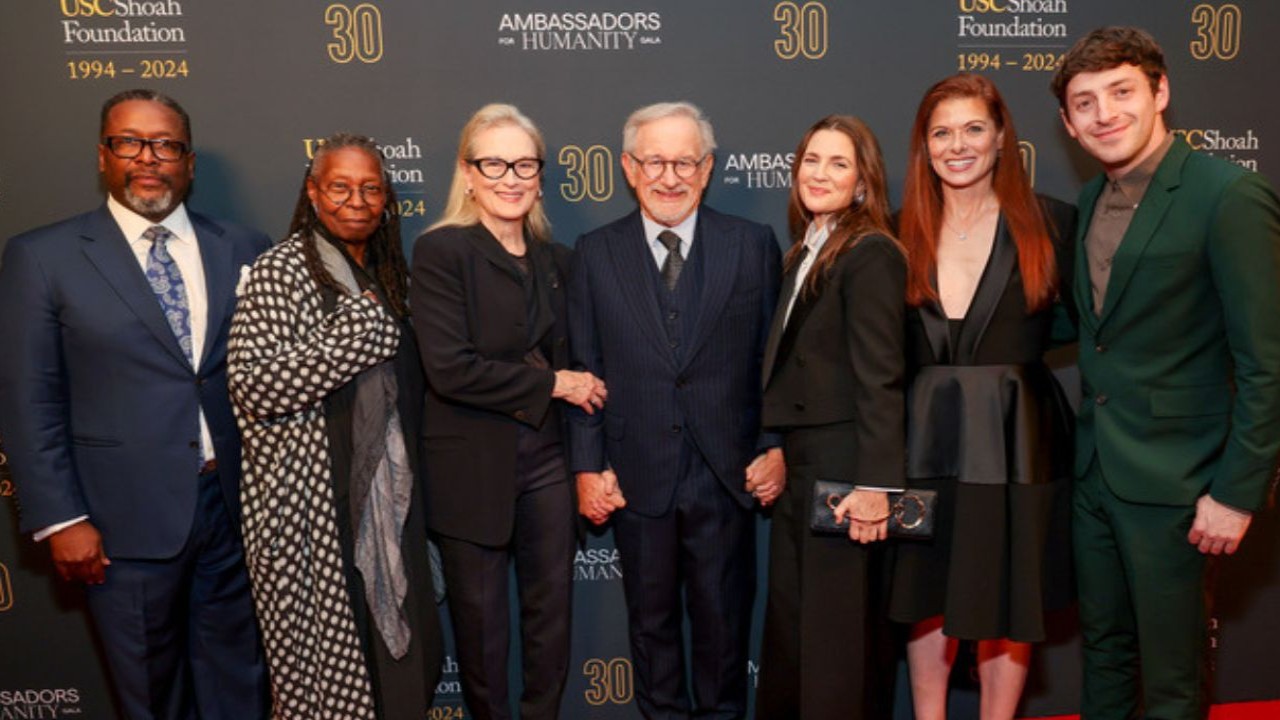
710, 394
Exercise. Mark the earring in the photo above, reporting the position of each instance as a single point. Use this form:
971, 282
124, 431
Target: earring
468, 192
539, 192
860, 197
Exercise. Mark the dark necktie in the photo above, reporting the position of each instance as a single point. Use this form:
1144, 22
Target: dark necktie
166, 283
674, 263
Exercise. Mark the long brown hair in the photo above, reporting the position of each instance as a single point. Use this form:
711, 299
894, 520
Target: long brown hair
921, 217
851, 224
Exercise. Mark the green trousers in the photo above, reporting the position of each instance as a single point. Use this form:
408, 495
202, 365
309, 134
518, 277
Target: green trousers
1143, 615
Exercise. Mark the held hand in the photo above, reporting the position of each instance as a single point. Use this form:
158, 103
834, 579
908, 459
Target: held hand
868, 513
767, 476
77, 553
580, 388
1218, 528
599, 495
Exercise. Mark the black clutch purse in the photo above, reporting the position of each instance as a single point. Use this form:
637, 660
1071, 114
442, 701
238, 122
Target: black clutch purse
911, 512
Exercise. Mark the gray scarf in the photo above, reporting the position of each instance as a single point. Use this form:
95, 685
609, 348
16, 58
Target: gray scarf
381, 483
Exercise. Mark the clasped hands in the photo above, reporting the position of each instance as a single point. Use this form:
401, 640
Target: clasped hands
580, 388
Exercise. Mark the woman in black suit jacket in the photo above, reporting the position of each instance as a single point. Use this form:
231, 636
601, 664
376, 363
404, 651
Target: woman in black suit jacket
833, 378
489, 309
987, 426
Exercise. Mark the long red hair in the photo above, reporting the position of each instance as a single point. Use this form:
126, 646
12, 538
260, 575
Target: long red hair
920, 221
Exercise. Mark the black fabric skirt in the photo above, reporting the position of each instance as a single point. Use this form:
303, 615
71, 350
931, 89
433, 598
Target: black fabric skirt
999, 560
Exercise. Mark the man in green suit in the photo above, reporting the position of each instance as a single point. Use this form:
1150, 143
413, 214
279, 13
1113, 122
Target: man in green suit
1178, 283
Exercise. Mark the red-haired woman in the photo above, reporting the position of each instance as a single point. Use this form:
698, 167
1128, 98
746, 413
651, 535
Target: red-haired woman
987, 427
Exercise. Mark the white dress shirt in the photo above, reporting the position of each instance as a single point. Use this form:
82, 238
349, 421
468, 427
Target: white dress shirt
186, 255
814, 238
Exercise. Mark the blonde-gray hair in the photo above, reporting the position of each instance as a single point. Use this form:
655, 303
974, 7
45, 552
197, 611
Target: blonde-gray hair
658, 111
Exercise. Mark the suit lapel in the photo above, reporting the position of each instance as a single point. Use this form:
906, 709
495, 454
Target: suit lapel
1151, 210
1083, 285
720, 251
632, 263
778, 326
991, 287
219, 281
108, 251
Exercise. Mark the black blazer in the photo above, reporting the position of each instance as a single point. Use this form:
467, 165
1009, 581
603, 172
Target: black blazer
841, 359
470, 313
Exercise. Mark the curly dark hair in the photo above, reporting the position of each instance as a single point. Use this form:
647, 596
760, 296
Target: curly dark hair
385, 248
1106, 48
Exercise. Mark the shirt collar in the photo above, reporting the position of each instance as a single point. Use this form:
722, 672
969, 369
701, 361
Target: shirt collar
1139, 178
815, 237
685, 230
134, 225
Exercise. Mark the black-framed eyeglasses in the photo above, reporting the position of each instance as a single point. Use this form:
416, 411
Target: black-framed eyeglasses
684, 168
496, 168
340, 193
127, 147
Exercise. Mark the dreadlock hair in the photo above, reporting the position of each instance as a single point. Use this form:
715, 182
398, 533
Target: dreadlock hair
384, 246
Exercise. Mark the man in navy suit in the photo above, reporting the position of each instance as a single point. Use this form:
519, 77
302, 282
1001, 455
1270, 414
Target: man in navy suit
670, 306
116, 418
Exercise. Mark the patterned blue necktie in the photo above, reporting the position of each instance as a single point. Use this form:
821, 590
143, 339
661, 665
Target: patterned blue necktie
166, 282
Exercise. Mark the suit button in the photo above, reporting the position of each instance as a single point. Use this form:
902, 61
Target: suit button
1101, 399
799, 361
675, 429
674, 344
681, 382
199, 382
521, 415
800, 407
193, 444
673, 315
1099, 348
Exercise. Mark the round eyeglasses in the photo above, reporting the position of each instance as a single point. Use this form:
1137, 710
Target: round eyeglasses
340, 193
496, 168
684, 168
127, 147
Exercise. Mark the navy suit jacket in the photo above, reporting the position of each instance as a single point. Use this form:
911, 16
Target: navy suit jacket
98, 403
710, 392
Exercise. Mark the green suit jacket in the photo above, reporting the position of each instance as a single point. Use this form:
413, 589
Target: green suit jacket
1181, 371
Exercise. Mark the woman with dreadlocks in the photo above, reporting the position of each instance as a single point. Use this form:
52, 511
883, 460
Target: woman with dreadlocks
324, 372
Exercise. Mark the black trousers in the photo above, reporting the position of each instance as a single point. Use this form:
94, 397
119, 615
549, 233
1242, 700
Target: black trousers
542, 546
705, 545
827, 644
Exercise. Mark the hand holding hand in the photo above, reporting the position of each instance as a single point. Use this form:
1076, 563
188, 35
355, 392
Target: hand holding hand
580, 388
599, 495
77, 553
868, 515
767, 476
1218, 528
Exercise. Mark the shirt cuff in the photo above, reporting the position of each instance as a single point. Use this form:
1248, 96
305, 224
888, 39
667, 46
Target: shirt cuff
43, 533
874, 488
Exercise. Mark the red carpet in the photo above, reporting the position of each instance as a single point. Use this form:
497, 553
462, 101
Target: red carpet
1265, 710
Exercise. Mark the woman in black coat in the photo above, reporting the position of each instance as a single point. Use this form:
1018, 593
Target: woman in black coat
489, 309
833, 374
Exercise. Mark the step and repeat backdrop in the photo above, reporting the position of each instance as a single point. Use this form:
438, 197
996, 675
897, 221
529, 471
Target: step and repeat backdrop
264, 80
